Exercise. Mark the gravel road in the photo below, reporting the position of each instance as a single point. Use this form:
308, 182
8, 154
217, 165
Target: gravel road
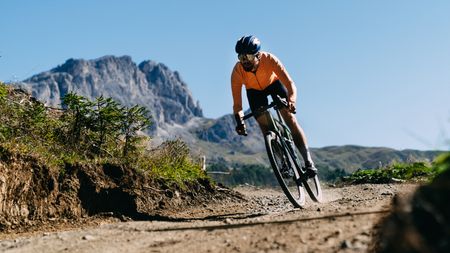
263, 222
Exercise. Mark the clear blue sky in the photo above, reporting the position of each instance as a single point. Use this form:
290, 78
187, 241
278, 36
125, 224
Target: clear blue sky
372, 73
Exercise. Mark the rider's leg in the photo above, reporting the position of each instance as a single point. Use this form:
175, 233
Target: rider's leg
299, 136
263, 122
256, 100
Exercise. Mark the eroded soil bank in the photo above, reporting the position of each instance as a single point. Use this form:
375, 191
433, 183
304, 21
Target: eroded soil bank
33, 195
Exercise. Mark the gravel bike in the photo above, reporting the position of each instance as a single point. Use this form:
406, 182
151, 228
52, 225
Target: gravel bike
284, 157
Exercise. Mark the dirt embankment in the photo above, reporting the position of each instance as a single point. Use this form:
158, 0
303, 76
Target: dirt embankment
34, 195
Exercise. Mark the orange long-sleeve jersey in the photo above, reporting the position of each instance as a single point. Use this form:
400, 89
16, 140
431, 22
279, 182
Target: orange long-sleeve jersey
269, 70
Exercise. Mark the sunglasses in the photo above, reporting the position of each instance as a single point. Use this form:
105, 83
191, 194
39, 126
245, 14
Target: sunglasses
246, 57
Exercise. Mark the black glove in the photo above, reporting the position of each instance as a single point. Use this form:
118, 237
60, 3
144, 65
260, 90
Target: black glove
241, 130
240, 126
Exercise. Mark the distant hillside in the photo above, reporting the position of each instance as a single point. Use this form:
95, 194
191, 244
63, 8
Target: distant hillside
351, 158
348, 158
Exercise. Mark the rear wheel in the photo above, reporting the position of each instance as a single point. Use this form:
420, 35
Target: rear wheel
284, 170
312, 186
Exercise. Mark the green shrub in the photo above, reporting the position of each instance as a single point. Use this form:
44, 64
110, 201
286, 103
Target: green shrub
442, 163
172, 161
396, 172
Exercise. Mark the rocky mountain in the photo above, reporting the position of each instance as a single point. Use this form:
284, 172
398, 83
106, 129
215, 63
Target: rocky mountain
149, 84
176, 114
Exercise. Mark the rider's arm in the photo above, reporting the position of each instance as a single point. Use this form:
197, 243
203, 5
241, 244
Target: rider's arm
236, 90
284, 77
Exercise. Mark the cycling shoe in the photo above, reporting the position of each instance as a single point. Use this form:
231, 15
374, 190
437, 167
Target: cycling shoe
311, 171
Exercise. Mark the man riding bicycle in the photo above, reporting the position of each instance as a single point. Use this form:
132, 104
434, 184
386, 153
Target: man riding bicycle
263, 74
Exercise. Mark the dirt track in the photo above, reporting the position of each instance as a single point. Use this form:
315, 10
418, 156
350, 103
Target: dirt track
264, 222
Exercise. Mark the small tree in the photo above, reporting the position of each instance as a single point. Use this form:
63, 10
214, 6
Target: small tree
99, 124
34, 120
78, 116
106, 122
135, 119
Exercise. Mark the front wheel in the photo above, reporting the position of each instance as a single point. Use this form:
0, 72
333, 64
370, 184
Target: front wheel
284, 170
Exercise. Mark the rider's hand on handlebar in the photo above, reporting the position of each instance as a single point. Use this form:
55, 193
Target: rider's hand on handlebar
240, 126
241, 130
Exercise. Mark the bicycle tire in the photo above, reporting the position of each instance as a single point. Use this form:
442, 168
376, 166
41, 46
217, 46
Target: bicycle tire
279, 157
312, 186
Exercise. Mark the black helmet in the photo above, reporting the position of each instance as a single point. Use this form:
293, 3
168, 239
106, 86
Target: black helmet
248, 45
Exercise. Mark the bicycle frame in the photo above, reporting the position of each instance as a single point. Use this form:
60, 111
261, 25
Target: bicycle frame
279, 127
280, 135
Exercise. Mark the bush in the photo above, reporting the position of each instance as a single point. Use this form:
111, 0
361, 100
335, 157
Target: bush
172, 161
396, 172
442, 163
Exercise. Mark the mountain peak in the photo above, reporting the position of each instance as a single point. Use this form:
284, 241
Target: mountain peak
70, 66
149, 84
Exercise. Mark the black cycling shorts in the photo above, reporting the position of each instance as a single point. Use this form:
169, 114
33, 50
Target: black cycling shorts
258, 98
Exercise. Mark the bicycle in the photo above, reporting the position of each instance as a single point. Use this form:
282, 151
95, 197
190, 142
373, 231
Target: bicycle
284, 157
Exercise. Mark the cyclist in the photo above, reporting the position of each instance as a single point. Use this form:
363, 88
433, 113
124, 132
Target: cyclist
263, 74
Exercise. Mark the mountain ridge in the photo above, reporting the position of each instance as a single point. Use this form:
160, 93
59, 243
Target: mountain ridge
149, 84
